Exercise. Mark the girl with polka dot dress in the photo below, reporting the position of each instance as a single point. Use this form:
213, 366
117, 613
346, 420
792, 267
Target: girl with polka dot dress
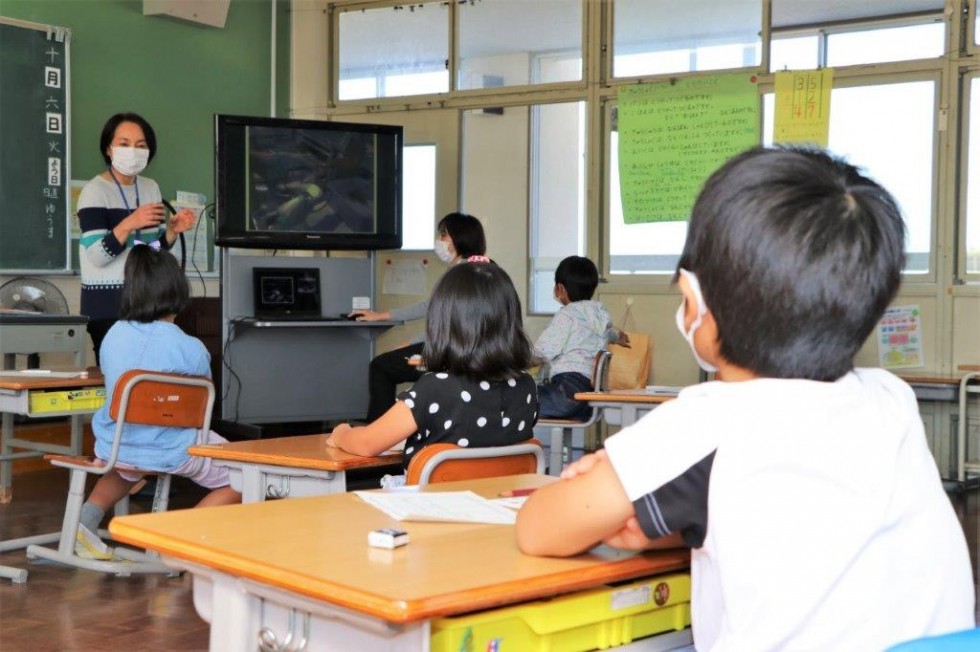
477, 392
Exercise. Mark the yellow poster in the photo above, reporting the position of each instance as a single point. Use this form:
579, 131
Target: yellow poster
803, 106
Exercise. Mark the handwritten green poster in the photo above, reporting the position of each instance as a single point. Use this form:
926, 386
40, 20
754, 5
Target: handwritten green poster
673, 135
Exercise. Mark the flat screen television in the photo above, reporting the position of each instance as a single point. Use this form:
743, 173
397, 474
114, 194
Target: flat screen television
307, 184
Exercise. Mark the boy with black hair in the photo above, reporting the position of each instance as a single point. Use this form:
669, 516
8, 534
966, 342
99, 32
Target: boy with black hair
804, 487
571, 340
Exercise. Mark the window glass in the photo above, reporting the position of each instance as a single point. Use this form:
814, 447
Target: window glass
877, 45
404, 48
973, 183
495, 49
865, 135
794, 53
418, 196
665, 36
557, 195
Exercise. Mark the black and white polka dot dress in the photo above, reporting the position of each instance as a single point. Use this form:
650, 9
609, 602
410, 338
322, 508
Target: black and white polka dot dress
457, 410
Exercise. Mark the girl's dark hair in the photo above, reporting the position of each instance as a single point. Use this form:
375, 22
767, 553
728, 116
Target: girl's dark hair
154, 286
466, 233
473, 327
109, 130
579, 276
798, 254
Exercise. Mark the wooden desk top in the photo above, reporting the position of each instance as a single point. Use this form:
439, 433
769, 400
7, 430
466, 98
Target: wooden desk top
934, 378
624, 396
21, 382
306, 451
317, 547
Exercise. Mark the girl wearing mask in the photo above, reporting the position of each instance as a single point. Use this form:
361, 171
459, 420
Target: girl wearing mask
460, 236
117, 209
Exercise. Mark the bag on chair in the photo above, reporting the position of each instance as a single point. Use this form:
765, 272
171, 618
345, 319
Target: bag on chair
629, 367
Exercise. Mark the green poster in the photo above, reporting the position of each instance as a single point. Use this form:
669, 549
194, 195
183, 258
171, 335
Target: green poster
673, 135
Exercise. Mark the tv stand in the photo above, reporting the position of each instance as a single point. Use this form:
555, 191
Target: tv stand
284, 372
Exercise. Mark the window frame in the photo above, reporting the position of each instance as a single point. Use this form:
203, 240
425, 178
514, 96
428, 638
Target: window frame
962, 274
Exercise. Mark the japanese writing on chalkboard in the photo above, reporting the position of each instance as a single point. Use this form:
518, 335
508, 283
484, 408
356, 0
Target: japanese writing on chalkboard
672, 136
35, 174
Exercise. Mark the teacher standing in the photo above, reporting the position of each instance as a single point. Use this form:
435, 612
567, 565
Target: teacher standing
118, 210
459, 236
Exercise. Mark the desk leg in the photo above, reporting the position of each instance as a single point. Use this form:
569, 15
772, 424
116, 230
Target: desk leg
6, 465
252, 488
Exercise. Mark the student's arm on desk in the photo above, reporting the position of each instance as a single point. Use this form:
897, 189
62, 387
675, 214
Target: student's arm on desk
588, 506
375, 438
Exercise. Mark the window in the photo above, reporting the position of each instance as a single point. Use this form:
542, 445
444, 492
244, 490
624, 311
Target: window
971, 247
497, 50
418, 196
557, 195
393, 51
863, 130
878, 45
818, 34
654, 37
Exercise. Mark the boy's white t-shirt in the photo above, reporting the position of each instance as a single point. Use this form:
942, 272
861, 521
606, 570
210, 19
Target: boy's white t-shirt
815, 511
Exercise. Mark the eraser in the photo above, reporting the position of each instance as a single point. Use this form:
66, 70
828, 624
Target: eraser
387, 538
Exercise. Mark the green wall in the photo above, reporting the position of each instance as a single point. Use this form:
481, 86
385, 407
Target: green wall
175, 73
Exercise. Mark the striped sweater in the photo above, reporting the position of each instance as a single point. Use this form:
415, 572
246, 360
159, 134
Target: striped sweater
102, 257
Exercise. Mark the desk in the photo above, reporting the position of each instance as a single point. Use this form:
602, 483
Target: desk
624, 407
269, 564
15, 392
288, 466
969, 384
951, 388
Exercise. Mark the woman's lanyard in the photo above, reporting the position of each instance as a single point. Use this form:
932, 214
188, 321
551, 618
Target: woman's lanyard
136, 184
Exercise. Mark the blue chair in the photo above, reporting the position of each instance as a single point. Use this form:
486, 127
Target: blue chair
965, 641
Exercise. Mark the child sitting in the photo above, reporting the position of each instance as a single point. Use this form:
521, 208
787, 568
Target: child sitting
476, 392
145, 337
575, 334
805, 487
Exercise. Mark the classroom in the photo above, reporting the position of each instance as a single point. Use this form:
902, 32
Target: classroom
510, 111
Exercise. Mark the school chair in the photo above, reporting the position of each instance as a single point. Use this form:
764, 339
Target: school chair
140, 397
449, 462
962, 641
562, 431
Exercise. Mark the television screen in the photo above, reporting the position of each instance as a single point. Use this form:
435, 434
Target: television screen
307, 184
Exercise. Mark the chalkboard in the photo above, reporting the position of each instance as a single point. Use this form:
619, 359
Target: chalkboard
34, 147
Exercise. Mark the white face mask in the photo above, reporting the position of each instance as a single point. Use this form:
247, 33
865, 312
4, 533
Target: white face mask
443, 252
692, 282
130, 160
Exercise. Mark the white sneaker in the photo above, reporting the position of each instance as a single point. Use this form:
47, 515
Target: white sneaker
88, 545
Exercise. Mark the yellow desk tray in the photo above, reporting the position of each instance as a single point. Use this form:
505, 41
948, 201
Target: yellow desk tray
88, 398
599, 618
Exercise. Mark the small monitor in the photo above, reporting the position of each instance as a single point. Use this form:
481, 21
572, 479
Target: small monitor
287, 293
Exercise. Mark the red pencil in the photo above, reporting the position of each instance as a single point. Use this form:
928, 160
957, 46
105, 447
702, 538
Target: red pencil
514, 493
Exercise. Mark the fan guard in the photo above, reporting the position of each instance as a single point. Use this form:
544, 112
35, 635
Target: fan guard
29, 295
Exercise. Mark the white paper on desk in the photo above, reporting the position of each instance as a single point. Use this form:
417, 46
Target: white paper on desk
449, 506
44, 373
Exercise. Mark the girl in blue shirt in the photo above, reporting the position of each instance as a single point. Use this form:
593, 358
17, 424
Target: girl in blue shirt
145, 337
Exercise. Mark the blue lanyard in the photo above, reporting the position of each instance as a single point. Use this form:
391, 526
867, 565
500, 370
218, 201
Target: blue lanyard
136, 184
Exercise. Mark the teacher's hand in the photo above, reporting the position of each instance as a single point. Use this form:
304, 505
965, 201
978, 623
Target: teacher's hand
144, 217
182, 221
370, 315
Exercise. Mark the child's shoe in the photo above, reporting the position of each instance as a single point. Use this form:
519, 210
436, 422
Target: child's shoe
89, 546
